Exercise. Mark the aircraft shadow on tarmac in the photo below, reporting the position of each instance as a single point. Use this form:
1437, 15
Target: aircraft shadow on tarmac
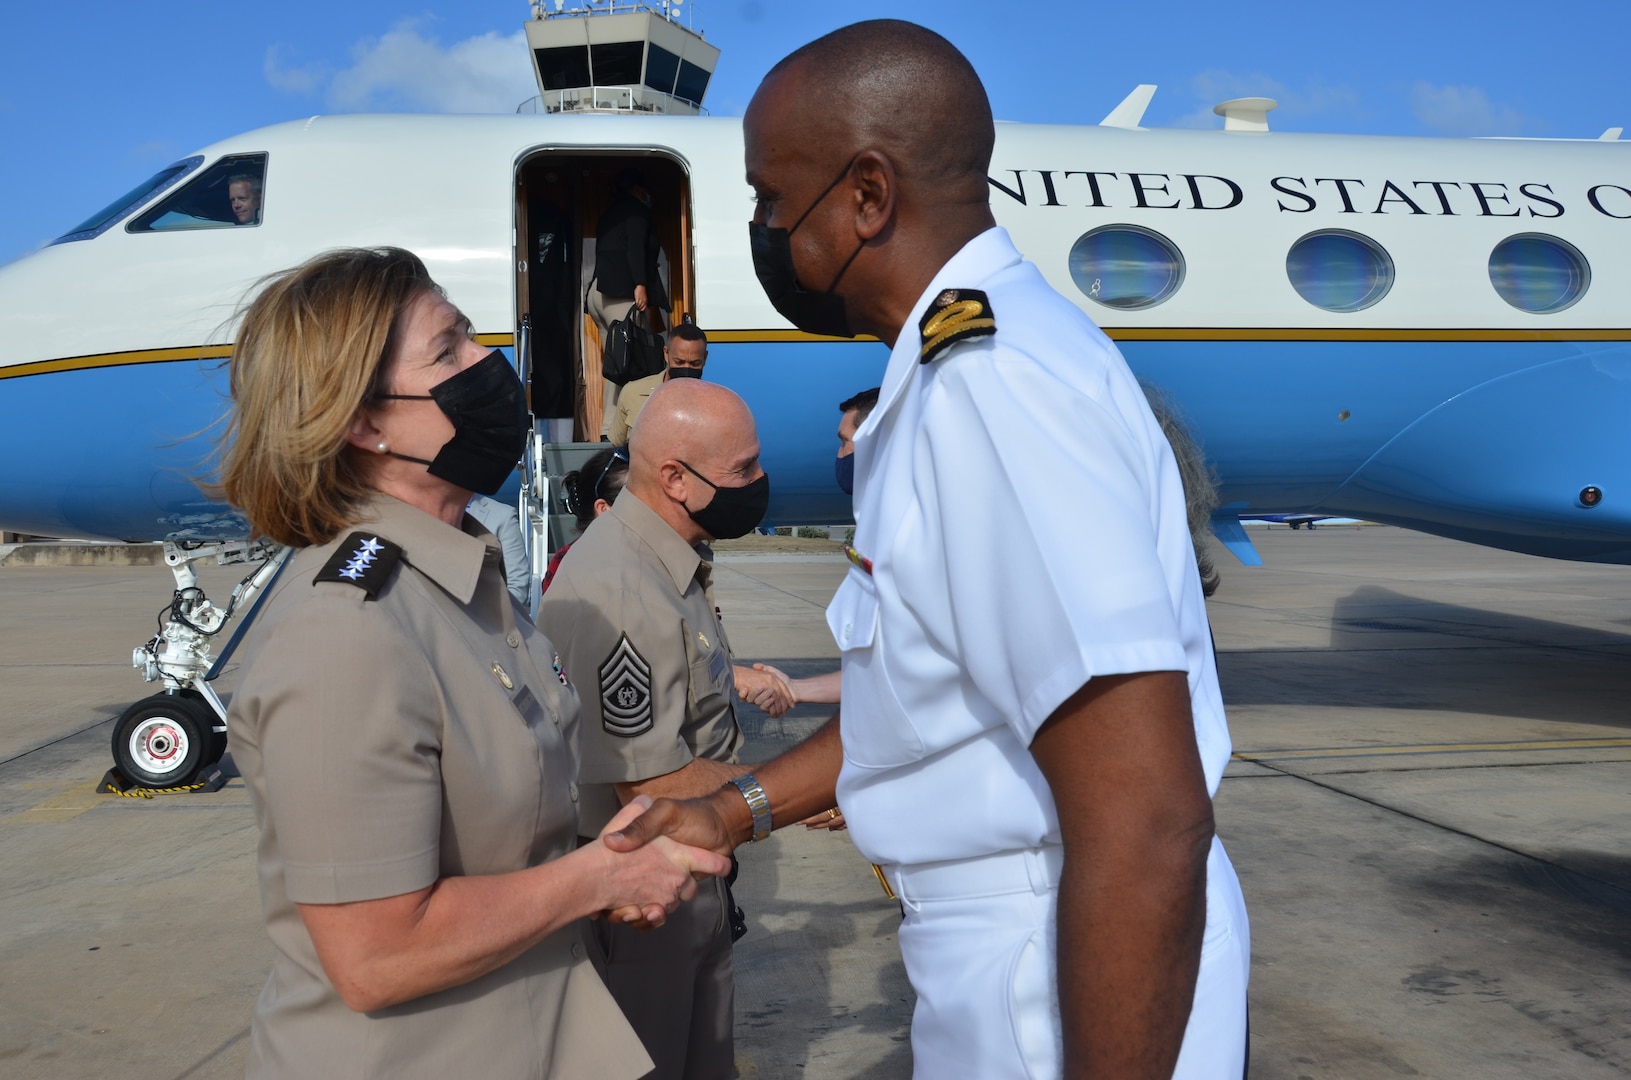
1393, 651
1584, 896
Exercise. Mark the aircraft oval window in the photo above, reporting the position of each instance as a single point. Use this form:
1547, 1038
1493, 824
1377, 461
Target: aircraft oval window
1538, 273
226, 195
1339, 270
110, 215
1126, 267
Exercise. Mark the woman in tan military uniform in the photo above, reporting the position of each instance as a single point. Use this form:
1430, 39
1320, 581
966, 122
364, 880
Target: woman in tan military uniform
409, 745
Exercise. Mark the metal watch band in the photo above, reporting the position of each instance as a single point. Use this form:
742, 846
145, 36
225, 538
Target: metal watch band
758, 802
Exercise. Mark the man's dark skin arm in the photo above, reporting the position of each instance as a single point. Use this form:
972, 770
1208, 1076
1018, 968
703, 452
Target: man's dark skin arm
1136, 822
799, 783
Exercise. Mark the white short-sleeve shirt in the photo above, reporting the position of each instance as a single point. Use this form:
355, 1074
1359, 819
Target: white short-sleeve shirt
1024, 523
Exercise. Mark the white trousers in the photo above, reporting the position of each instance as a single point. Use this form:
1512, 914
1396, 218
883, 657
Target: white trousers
982, 957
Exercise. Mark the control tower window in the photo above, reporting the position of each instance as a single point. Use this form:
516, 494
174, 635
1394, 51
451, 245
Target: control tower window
111, 214
1538, 273
1126, 267
228, 194
661, 67
1339, 270
693, 83
617, 63
562, 69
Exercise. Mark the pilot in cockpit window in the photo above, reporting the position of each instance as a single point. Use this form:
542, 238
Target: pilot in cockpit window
244, 196
228, 194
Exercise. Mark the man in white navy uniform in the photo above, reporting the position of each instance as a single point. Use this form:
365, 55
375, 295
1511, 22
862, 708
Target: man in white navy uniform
1032, 728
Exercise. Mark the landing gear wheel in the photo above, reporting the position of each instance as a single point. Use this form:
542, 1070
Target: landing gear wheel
165, 740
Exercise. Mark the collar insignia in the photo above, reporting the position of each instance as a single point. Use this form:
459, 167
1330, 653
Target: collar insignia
955, 315
361, 560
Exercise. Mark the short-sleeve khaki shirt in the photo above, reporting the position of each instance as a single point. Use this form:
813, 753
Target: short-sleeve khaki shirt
390, 742
632, 608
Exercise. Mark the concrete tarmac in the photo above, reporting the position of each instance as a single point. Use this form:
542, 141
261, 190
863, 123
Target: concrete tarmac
1428, 812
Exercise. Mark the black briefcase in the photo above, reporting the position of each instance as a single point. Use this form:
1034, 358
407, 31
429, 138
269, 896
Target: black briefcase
633, 350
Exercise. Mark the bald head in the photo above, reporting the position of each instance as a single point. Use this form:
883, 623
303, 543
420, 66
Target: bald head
691, 425
893, 86
869, 147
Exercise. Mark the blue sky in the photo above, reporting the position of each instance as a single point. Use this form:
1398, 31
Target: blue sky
95, 98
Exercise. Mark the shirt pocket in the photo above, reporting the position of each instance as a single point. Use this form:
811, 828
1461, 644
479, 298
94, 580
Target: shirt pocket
710, 676
877, 732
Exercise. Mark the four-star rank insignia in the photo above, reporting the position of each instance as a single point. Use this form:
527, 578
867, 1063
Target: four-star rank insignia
625, 692
361, 560
955, 315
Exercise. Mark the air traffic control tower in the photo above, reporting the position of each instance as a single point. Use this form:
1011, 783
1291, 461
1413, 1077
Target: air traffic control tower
633, 58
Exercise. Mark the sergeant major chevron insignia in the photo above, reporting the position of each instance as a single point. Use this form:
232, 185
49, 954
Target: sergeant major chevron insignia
955, 315
625, 692
362, 560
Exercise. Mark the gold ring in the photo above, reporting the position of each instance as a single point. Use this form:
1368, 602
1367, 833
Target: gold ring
832, 813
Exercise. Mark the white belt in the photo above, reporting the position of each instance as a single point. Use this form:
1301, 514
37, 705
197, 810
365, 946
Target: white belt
1036, 871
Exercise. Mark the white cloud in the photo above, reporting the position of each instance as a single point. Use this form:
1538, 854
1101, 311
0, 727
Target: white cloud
291, 79
1464, 110
1314, 98
408, 70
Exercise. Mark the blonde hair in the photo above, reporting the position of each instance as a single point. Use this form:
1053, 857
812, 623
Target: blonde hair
310, 351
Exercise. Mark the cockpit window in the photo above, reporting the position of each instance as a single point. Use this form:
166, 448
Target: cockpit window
227, 195
111, 214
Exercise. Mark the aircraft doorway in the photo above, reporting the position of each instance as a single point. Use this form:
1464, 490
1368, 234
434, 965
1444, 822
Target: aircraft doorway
562, 200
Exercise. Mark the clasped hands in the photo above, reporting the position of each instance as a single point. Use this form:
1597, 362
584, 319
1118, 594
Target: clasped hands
691, 833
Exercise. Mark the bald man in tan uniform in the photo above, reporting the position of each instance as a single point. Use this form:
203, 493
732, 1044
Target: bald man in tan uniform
632, 607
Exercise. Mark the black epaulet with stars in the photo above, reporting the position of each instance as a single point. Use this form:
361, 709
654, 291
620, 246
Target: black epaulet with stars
955, 315
363, 560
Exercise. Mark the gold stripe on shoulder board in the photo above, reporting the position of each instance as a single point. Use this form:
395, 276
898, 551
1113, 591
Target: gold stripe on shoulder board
955, 315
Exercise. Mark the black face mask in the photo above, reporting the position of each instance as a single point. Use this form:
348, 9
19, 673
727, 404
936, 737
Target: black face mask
844, 469
488, 408
734, 511
684, 373
812, 312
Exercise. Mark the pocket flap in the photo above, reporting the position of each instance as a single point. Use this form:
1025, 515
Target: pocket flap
853, 614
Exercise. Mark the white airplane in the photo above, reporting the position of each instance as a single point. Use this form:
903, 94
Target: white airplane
1430, 333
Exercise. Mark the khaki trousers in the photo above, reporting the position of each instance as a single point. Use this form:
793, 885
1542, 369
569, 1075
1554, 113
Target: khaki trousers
676, 985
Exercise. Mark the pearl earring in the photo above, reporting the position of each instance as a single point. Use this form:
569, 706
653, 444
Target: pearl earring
383, 448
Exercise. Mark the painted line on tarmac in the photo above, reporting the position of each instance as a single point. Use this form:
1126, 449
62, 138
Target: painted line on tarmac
64, 806
1325, 752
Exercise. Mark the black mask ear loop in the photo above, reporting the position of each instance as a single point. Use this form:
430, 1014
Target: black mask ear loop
403, 397
819, 200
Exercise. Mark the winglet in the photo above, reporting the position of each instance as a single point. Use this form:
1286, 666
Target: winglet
1231, 533
1131, 110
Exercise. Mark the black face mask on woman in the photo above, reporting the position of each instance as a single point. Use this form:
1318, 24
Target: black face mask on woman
812, 312
488, 409
734, 511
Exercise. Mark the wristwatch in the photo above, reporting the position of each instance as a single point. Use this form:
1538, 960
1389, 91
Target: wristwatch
758, 802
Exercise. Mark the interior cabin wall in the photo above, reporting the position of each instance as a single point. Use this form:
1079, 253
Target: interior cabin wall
560, 198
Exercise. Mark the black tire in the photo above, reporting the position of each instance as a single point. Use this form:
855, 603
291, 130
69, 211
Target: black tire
165, 740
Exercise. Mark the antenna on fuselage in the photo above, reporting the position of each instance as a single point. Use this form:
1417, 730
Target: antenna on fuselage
1611, 135
618, 57
1246, 113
